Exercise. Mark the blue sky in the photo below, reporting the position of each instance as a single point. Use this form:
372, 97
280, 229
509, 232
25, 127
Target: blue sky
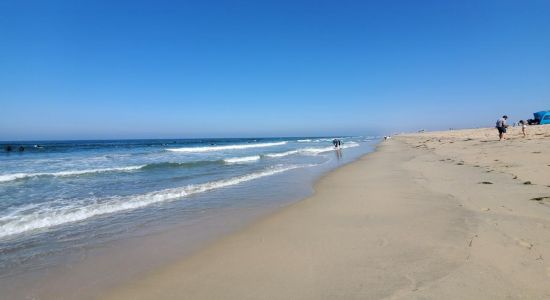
154, 69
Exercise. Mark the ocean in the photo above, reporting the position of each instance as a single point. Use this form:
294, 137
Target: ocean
60, 199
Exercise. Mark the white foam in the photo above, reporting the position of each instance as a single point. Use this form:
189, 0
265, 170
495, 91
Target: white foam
246, 159
15, 176
226, 147
304, 141
311, 151
39, 217
282, 153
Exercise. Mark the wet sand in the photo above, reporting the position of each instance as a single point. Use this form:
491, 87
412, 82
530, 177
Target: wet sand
441, 215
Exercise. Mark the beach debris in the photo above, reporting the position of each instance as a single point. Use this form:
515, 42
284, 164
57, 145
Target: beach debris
536, 152
485, 209
527, 182
485, 182
460, 163
515, 177
540, 198
525, 244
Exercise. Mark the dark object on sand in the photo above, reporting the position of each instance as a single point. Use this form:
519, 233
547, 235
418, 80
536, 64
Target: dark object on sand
527, 182
486, 182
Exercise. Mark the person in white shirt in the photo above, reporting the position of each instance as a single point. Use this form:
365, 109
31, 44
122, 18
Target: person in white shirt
523, 127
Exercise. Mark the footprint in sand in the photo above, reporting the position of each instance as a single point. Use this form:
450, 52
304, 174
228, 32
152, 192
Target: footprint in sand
382, 242
525, 244
509, 209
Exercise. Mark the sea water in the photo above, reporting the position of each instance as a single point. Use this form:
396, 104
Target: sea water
59, 197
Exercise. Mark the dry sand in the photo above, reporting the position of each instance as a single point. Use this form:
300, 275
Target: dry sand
442, 215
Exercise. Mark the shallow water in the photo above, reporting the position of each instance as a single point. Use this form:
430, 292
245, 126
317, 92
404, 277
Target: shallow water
61, 200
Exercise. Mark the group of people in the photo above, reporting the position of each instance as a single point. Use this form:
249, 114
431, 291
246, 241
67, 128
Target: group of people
501, 127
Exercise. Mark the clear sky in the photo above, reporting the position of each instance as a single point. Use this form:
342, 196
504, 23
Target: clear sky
153, 69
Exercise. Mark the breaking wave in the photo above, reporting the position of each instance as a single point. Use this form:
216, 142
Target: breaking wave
226, 147
40, 216
246, 159
16, 176
311, 151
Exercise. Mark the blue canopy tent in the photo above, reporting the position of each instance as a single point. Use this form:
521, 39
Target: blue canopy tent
542, 117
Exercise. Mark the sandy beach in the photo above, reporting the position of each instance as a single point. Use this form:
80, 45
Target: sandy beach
437, 215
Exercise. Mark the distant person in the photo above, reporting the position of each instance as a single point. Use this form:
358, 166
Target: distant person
339, 143
501, 126
21, 148
335, 143
8, 148
523, 127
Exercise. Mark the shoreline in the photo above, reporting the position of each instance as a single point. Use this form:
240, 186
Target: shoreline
90, 272
403, 221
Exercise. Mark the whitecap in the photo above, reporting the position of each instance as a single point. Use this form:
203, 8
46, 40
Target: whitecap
281, 154
311, 151
246, 159
47, 215
15, 176
226, 147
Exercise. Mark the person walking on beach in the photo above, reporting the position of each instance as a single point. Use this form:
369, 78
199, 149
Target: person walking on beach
523, 127
501, 126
